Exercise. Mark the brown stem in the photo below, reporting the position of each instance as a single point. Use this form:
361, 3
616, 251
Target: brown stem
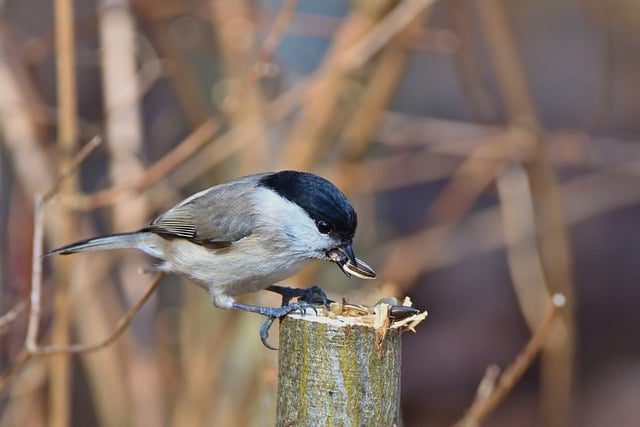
485, 403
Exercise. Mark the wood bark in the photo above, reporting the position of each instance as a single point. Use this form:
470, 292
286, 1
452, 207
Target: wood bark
333, 374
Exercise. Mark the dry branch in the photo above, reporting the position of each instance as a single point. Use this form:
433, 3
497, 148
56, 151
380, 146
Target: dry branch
494, 388
124, 136
10, 316
385, 76
550, 221
120, 328
60, 365
235, 38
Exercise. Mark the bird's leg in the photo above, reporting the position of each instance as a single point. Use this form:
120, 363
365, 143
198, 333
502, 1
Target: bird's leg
272, 313
313, 295
307, 298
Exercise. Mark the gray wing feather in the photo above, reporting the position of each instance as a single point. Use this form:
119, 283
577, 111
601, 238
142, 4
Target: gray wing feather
216, 217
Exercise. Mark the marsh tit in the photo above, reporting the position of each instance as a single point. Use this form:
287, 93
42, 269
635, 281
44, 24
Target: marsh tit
247, 234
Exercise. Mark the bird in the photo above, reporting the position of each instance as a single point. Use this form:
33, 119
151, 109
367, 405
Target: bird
245, 235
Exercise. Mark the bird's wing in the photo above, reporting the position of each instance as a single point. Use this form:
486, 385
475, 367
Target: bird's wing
215, 217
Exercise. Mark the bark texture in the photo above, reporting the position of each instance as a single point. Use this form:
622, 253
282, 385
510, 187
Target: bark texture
333, 374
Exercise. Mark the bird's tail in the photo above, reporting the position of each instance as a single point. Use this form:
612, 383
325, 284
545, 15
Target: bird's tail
114, 241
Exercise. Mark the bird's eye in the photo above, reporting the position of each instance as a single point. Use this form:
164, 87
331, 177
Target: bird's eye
323, 226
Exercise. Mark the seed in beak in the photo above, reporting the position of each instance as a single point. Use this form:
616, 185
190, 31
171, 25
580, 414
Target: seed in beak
347, 261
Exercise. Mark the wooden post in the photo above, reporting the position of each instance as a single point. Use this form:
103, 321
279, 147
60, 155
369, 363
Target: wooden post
340, 371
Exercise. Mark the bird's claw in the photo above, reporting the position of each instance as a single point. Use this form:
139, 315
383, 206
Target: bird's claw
314, 295
279, 313
264, 332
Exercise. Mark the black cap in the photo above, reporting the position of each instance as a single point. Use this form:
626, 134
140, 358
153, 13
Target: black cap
322, 200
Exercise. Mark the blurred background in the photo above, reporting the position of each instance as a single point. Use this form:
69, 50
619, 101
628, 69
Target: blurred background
491, 149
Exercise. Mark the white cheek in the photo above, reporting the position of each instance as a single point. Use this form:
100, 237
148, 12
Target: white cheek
287, 218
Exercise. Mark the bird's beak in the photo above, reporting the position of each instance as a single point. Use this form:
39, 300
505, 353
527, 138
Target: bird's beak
347, 261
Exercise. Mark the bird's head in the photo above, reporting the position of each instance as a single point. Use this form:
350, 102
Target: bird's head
318, 217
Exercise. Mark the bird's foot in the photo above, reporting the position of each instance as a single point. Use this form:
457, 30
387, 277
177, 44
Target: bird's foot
272, 313
313, 295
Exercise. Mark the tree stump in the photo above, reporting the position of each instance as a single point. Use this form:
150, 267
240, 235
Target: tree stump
341, 370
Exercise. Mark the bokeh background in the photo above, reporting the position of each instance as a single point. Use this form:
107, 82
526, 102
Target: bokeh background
490, 148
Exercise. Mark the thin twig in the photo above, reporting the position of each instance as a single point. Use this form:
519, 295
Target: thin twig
60, 367
523, 254
11, 315
434, 40
30, 346
123, 125
220, 149
38, 239
394, 22
200, 136
384, 78
185, 149
472, 178
467, 62
353, 58
23, 357
192, 143
243, 106
468, 182
485, 403
36, 274
557, 362
585, 198
27, 353
73, 166
325, 110
359, 53
487, 384
120, 327
274, 36
267, 49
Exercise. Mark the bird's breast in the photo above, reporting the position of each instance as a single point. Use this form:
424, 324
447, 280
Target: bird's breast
243, 267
